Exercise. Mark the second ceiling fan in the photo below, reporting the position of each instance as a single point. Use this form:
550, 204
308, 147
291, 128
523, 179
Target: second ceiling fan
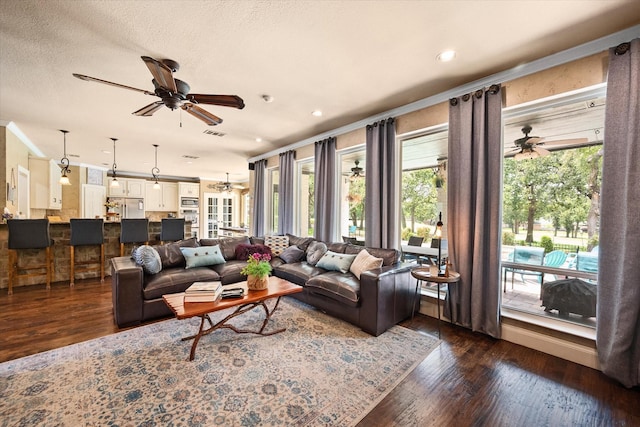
529, 147
174, 93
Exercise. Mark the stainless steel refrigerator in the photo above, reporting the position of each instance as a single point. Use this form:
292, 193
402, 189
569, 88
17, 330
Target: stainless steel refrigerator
129, 207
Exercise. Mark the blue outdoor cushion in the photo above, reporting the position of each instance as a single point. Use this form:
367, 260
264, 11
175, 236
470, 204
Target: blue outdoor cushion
202, 256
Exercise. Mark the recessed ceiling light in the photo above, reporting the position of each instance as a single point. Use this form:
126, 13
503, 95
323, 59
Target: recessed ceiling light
446, 56
106, 151
258, 139
316, 113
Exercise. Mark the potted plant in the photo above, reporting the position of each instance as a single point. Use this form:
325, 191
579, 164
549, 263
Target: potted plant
257, 271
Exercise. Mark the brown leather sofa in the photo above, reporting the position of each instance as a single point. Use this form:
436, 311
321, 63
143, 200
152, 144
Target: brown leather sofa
380, 299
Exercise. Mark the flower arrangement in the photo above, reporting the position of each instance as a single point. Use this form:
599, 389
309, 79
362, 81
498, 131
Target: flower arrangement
257, 265
110, 205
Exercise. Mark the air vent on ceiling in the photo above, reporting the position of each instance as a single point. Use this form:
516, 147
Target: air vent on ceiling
214, 133
187, 156
74, 155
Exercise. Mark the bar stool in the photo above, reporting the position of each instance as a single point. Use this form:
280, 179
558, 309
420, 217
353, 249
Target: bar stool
171, 229
86, 232
133, 230
29, 234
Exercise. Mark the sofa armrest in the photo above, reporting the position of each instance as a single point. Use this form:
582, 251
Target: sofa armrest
126, 286
386, 296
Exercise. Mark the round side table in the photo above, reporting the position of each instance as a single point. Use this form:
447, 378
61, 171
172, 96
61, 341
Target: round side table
423, 274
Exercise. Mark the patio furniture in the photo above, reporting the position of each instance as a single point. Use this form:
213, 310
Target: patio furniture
524, 255
413, 241
570, 296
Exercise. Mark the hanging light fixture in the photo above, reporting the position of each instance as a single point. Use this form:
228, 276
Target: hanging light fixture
64, 171
155, 171
356, 172
114, 181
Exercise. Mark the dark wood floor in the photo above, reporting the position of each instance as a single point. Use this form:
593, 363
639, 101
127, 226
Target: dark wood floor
469, 380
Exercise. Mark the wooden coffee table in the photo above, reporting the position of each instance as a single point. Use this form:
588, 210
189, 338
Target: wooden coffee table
277, 288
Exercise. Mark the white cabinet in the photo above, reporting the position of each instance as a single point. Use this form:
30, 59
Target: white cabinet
128, 187
45, 188
164, 199
189, 189
93, 198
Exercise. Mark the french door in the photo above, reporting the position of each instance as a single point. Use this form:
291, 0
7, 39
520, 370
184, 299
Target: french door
219, 210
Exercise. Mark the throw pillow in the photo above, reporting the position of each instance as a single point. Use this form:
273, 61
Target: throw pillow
148, 258
301, 242
292, 254
315, 251
202, 256
364, 261
243, 251
277, 244
336, 262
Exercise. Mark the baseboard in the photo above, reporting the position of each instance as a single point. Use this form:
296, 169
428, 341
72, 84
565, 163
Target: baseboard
585, 355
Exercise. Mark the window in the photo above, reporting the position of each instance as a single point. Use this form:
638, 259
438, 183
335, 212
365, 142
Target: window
550, 212
274, 182
351, 167
424, 178
305, 195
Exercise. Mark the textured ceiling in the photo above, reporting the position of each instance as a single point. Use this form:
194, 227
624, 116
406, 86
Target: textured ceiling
351, 59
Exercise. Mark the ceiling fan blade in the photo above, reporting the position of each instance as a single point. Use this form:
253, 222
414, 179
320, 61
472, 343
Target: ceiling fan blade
148, 110
93, 79
203, 115
222, 100
566, 142
161, 73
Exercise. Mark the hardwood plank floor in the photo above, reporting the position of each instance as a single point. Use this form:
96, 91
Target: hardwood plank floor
469, 380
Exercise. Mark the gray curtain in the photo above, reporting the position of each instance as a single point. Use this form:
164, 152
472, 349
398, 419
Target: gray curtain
286, 209
382, 224
618, 308
257, 225
325, 189
473, 195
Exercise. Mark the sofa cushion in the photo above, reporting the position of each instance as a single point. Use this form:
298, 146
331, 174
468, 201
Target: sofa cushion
298, 272
173, 280
364, 261
338, 247
334, 261
277, 244
230, 271
202, 256
389, 256
171, 255
227, 245
315, 251
292, 254
243, 251
301, 242
341, 287
147, 257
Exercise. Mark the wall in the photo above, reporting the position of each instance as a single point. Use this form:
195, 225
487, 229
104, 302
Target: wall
13, 153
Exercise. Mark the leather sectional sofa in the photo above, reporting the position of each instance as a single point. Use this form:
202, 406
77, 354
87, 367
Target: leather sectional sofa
378, 300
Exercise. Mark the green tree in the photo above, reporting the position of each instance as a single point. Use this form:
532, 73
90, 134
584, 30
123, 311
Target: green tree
356, 201
419, 197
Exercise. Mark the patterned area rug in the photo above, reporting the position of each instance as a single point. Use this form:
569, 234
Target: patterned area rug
319, 372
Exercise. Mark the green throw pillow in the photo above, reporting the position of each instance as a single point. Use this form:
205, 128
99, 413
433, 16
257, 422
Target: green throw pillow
336, 262
202, 256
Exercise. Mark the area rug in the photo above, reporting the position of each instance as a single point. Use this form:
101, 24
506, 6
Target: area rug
319, 372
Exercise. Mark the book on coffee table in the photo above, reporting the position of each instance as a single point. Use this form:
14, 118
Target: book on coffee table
203, 292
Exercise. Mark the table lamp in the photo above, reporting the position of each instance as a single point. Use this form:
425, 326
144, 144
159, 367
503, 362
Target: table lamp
439, 225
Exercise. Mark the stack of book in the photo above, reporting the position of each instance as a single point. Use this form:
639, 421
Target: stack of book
203, 292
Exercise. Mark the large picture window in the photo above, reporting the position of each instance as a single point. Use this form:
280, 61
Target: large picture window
305, 194
551, 206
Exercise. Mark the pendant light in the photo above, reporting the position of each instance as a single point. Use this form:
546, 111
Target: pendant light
64, 171
114, 181
155, 171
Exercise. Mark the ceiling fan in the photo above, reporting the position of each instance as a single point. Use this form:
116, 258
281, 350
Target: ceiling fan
529, 147
224, 187
356, 172
174, 93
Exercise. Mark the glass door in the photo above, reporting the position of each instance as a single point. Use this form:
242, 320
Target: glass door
219, 210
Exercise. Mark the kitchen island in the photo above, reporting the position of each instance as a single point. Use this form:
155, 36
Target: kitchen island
60, 234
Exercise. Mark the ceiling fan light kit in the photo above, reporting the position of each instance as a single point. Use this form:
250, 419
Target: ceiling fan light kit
356, 172
174, 93
64, 171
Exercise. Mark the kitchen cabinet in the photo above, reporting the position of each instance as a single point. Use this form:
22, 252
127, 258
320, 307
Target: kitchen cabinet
129, 187
189, 189
93, 198
164, 199
45, 187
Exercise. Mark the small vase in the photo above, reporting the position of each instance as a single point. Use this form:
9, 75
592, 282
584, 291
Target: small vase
256, 283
